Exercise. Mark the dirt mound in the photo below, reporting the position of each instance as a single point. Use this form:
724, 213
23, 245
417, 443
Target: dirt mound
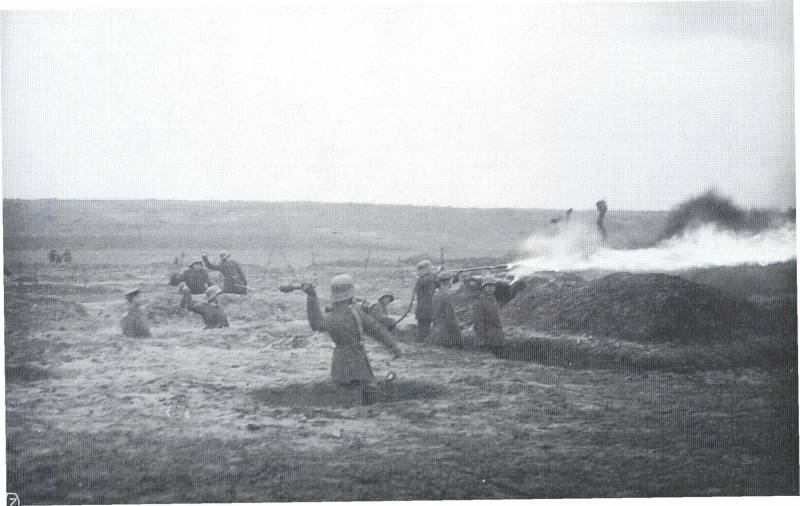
637, 307
329, 394
464, 297
41, 310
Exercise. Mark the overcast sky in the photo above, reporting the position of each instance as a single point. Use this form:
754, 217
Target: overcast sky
549, 105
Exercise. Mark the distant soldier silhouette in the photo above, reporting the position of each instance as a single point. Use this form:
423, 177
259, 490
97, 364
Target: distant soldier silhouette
602, 208
134, 324
54, 256
67, 256
234, 280
565, 218
213, 315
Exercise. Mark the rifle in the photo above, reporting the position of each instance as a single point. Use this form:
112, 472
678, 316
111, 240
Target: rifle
482, 268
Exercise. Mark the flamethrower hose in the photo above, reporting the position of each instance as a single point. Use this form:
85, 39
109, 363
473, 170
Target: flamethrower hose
410, 305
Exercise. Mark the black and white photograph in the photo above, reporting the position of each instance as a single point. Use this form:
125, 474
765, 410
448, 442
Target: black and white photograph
403, 250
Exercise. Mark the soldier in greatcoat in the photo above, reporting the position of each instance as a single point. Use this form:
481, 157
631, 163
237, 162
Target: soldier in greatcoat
134, 324
213, 315
234, 280
380, 310
347, 323
195, 277
424, 290
446, 331
487, 318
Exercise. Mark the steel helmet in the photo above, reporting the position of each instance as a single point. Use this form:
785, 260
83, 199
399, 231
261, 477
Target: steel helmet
386, 294
342, 288
224, 254
424, 267
197, 260
489, 280
212, 292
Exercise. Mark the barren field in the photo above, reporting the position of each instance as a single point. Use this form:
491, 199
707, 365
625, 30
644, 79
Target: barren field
244, 414
612, 385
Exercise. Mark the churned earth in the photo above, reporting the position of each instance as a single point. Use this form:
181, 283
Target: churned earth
246, 413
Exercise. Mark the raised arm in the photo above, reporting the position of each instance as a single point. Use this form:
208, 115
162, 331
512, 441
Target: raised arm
374, 329
312, 309
209, 265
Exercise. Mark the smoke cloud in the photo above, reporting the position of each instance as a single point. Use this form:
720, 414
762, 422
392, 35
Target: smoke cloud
705, 246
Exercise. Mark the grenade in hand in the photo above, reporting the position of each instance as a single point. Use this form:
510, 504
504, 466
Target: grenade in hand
290, 287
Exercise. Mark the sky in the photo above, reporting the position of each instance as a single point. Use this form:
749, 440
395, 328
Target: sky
537, 106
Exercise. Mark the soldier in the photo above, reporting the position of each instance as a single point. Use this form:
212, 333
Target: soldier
67, 256
134, 324
446, 331
195, 277
487, 318
213, 315
53, 256
602, 208
235, 281
424, 289
346, 323
380, 310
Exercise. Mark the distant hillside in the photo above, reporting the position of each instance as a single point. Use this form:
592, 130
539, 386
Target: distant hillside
152, 224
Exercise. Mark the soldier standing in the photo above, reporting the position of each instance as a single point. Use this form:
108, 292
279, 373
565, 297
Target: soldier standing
380, 310
602, 208
213, 315
424, 289
67, 256
53, 256
446, 331
487, 318
234, 280
134, 324
346, 323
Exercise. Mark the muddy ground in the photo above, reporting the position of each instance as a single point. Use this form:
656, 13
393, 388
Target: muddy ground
245, 413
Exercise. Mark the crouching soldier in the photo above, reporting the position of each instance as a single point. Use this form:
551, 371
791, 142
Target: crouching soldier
487, 318
134, 324
234, 280
380, 311
446, 331
346, 323
213, 315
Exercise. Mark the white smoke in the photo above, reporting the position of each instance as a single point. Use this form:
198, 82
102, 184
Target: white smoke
578, 247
